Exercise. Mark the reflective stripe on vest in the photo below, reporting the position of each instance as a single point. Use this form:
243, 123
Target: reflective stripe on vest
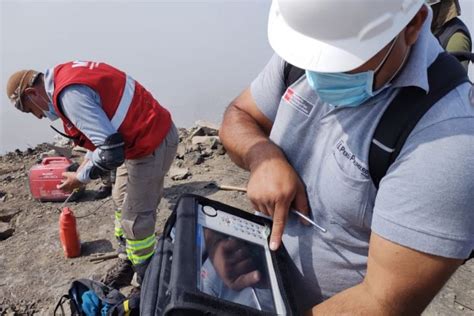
125, 102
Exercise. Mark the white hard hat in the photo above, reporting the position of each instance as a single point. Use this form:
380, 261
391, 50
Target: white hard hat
336, 35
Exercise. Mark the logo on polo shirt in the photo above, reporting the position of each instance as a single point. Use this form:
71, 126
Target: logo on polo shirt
343, 151
297, 102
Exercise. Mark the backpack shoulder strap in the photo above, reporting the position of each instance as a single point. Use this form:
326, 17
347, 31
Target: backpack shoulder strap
291, 74
449, 29
408, 107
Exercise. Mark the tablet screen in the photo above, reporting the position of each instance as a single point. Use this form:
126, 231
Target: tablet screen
233, 262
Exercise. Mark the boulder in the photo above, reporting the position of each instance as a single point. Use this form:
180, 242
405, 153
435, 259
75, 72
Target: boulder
208, 141
193, 158
181, 151
177, 173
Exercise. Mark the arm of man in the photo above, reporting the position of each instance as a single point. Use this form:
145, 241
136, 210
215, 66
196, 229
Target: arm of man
459, 42
422, 223
399, 281
82, 107
273, 185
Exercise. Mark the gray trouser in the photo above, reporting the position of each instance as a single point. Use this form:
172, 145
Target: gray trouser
137, 192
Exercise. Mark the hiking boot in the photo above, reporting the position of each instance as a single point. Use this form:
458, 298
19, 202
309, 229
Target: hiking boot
119, 275
135, 292
140, 270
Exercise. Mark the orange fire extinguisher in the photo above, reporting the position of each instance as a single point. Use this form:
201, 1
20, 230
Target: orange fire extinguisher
68, 233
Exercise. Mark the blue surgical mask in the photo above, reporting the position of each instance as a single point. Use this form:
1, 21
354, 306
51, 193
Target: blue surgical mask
51, 113
343, 89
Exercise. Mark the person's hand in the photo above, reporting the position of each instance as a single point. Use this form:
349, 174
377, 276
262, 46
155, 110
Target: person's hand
232, 261
70, 182
273, 188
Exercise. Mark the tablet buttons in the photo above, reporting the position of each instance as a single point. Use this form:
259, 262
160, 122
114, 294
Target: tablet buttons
209, 211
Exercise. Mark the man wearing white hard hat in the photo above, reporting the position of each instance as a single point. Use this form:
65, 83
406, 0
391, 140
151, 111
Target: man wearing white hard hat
386, 247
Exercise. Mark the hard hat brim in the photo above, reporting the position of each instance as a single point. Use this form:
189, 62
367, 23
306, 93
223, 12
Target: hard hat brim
330, 56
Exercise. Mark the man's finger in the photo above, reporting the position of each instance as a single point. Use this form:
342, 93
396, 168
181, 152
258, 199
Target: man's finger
279, 220
242, 267
301, 201
246, 280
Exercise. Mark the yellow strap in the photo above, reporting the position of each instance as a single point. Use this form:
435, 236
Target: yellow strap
126, 308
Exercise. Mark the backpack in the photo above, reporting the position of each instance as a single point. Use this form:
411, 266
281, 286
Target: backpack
401, 117
92, 298
450, 28
176, 277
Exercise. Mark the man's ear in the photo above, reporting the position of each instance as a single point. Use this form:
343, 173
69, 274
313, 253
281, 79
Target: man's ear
30, 92
413, 29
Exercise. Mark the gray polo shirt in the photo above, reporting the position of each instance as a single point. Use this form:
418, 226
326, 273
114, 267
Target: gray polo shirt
425, 202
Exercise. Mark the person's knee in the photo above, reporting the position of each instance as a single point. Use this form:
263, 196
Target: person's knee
138, 226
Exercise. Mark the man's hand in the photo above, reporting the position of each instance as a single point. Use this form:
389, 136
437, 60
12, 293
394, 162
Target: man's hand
232, 261
273, 188
274, 185
70, 182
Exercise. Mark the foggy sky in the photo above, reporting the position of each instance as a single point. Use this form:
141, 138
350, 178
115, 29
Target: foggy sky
195, 56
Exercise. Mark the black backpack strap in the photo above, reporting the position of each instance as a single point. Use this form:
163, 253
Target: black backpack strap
59, 305
291, 74
449, 29
463, 56
408, 107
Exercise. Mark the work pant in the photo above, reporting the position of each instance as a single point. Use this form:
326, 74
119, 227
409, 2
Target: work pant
137, 192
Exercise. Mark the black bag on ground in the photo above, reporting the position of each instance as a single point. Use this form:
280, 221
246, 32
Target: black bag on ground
182, 278
92, 298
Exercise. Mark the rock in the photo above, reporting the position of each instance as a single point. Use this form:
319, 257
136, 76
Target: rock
7, 215
193, 148
79, 149
207, 124
207, 152
181, 151
61, 141
208, 141
5, 231
177, 173
3, 197
29, 151
50, 153
196, 131
220, 150
193, 158
62, 151
7, 178
207, 128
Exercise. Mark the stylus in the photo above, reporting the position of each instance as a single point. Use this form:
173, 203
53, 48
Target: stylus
256, 299
324, 230
309, 221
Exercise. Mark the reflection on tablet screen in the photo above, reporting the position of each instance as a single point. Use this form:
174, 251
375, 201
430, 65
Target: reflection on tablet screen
234, 262
233, 269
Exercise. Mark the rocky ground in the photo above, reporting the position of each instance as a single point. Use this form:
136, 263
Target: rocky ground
33, 270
